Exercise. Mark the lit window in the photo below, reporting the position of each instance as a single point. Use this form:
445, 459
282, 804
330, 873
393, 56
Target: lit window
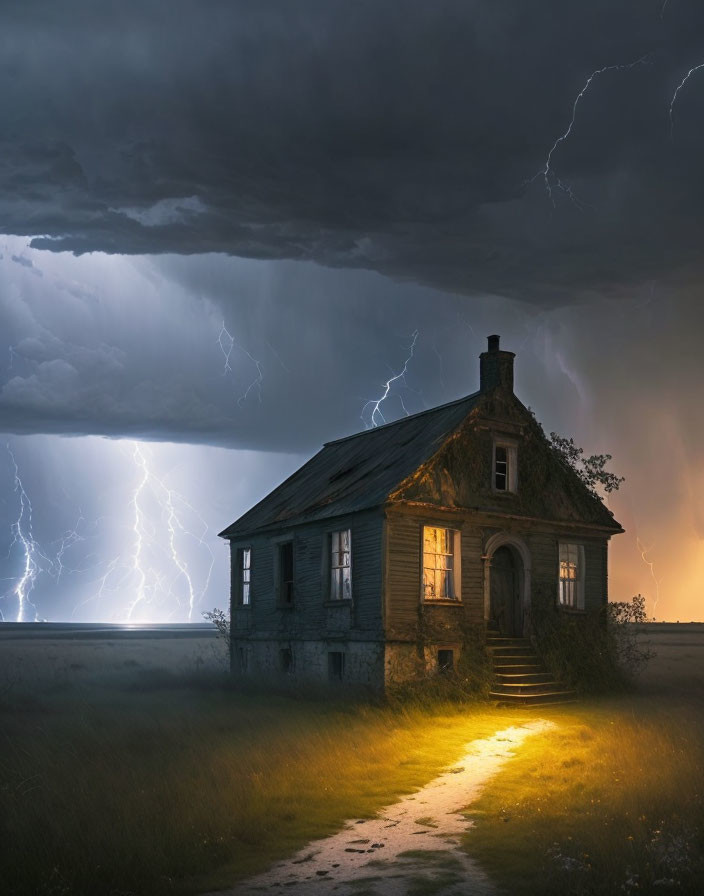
439, 567
340, 565
505, 467
245, 575
571, 585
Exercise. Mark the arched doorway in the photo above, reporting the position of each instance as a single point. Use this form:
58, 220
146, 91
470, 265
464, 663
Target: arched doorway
505, 612
507, 584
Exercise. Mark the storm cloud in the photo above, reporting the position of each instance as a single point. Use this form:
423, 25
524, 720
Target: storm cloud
398, 137
225, 221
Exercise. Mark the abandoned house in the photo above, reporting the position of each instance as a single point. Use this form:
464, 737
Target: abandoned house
373, 561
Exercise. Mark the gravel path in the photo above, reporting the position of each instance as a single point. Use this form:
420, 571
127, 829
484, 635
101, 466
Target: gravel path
413, 845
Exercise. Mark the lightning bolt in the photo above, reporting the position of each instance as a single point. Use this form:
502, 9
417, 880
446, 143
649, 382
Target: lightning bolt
227, 344
147, 582
67, 541
31, 554
651, 566
375, 403
676, 94
139, 533
547, 172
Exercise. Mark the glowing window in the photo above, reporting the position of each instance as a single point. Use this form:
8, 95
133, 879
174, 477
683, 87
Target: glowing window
341, 565
245, 575
571, 583
439, 566
505, 467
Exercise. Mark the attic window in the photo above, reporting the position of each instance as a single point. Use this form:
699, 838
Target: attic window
505, 467
440, 564
571, 582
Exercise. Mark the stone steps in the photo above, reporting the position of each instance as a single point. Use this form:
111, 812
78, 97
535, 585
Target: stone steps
520, 679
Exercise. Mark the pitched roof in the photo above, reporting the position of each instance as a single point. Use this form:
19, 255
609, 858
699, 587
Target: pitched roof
357, 472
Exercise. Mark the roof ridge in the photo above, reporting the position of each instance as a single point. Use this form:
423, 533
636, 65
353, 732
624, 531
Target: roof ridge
437, 407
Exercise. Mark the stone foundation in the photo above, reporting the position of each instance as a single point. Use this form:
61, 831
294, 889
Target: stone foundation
371, 664
350, 662
404, 662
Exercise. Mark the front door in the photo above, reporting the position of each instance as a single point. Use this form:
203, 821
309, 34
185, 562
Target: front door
504, 614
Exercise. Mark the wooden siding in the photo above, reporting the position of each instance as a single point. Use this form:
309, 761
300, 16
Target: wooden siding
544, 549
313, 615
407, 616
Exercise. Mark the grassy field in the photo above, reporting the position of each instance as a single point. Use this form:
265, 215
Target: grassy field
164, 781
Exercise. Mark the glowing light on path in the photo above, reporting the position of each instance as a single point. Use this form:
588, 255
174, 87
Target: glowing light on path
392, 846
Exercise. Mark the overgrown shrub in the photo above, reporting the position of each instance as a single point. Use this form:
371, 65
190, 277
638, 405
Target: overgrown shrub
221, 621
470, 680
594, 652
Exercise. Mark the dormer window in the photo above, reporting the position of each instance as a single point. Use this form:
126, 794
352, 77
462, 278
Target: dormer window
505, 467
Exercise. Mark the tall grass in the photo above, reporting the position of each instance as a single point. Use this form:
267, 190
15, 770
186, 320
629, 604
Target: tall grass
612, 801
175, 789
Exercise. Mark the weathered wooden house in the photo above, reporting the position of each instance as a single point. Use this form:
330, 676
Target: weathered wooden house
373, 561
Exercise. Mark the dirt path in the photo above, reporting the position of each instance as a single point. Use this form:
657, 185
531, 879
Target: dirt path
412, 846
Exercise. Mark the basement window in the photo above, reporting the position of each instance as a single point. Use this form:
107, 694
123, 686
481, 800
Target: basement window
571, 581
286, 660
336, 665
441, 562
341, 565
505, 467
446, 661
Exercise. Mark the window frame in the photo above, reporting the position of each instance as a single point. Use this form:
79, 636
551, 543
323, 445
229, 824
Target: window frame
511, 448
577, 582
241, 569
279, 546
456, 539
340, 658
446, 668
330, 567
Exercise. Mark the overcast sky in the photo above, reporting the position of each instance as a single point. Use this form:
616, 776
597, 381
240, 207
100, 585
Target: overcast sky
323, 180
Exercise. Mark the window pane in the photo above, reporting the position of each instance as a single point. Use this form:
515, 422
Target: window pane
569, 592
438, 563
245, 574
340, 565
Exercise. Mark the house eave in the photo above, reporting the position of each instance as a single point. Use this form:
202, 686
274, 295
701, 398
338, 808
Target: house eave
482, 514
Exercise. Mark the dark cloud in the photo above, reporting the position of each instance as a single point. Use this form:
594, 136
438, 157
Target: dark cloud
395, 138
376, 134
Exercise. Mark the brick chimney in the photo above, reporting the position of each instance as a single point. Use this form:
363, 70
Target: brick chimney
495, 368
